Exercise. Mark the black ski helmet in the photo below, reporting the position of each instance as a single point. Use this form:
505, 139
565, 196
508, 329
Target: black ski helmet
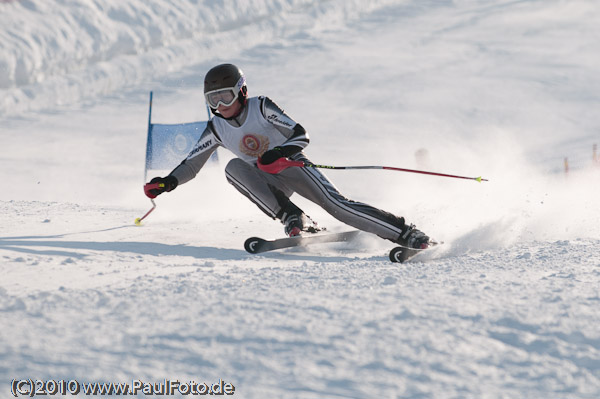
225, 76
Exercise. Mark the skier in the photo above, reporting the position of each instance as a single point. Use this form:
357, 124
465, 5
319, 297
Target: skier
260, 133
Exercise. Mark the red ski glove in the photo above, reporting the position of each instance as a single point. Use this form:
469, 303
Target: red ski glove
278, 166
159, 185
274, 161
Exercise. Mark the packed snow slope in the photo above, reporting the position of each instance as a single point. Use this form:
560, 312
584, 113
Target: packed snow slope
507, 307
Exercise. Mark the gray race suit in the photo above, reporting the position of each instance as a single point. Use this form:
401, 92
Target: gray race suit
261, 126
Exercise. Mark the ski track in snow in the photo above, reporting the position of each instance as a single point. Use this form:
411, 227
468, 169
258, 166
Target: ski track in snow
507, 307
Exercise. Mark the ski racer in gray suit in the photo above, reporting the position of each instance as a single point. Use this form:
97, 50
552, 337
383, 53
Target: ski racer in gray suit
259, 133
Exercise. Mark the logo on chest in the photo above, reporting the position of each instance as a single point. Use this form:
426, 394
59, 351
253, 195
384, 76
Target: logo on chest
254, 145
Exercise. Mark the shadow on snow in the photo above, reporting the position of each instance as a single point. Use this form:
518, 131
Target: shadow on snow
32, 245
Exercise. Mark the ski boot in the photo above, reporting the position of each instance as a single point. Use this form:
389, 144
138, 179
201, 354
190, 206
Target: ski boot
296, 222
413, 238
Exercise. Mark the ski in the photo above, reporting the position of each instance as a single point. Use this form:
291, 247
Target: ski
402, 254
256, 245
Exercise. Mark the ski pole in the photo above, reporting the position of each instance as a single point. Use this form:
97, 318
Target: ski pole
479, 179
138, 221
284, 163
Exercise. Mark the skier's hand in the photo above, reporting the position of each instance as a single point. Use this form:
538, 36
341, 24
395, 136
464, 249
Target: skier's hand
159, 185
270, 156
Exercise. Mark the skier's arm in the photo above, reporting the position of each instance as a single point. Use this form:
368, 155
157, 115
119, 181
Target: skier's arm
189, 168
296, 136
206, 145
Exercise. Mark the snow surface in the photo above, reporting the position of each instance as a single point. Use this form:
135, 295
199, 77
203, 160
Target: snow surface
508, 307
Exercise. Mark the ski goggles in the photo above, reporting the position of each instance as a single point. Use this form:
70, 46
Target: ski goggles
226, 96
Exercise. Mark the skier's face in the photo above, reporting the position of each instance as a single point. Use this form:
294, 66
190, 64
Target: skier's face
229, 111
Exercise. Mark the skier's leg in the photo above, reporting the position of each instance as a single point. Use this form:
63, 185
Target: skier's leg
269, 193
262, 189
313, 185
